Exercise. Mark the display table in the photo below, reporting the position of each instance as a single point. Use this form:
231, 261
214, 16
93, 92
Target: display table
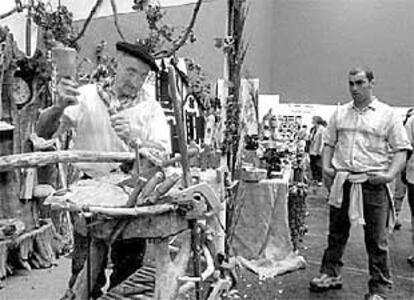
262, 238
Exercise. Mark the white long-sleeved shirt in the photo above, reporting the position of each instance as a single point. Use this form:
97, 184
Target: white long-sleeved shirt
93, 130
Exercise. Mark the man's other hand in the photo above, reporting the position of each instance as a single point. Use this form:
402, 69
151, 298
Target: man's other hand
329, 172
121, 126
67, 91
328, 176
380, 177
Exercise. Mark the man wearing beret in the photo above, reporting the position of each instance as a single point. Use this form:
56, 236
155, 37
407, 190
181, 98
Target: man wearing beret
131, 116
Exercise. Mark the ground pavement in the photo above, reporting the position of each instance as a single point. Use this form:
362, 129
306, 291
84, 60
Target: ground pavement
50, 284
295, 285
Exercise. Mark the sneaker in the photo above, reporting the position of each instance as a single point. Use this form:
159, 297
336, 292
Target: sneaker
373, 297
325, 282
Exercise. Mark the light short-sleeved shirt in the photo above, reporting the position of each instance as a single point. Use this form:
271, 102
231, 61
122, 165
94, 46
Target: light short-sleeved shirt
93, 130
409, 126
363, 140
316, 145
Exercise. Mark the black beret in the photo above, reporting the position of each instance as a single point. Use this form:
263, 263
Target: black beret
138, 51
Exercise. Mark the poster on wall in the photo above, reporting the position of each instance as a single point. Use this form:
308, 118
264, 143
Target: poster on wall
268, 103
249, 93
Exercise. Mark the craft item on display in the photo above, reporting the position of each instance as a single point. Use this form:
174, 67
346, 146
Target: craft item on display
251, 174
273, 122
20, 91
64, 59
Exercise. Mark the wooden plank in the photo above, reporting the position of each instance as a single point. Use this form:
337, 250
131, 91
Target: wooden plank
164, 225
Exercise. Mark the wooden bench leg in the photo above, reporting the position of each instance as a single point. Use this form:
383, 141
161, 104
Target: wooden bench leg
97, 252
168, 271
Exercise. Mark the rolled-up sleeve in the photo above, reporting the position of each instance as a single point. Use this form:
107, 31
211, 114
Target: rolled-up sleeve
397, 135
330, 136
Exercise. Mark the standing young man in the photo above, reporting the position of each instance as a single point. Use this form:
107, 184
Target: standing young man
361, 137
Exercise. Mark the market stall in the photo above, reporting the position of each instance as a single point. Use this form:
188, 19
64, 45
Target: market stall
262, 238
270, 196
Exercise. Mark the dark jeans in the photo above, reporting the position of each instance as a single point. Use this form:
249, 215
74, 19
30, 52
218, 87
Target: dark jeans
410, 197
376, 206
316, 167
126, 255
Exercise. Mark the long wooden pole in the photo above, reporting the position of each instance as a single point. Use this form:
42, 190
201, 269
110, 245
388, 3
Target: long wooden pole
178, 112
37, 159
182, 144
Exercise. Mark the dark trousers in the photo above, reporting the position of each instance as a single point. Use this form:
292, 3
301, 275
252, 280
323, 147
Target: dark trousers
316, 167
126, 255
410, 197
376, 207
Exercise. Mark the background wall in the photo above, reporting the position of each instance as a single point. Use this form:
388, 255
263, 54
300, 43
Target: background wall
303, 49
300, 49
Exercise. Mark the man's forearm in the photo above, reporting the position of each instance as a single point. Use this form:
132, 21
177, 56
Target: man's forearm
397, 163
327, 155
48, 122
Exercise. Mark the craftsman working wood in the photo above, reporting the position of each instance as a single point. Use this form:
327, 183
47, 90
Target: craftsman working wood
135, 119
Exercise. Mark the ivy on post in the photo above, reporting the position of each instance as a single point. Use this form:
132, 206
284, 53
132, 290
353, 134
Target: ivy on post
235, 49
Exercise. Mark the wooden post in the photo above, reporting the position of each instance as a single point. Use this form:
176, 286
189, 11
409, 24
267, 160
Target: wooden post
8, 187
178, 113
182, 144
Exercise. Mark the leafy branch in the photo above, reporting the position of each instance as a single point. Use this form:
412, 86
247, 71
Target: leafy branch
58, 25
93, 12
188, 32
98, 4
12, 11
